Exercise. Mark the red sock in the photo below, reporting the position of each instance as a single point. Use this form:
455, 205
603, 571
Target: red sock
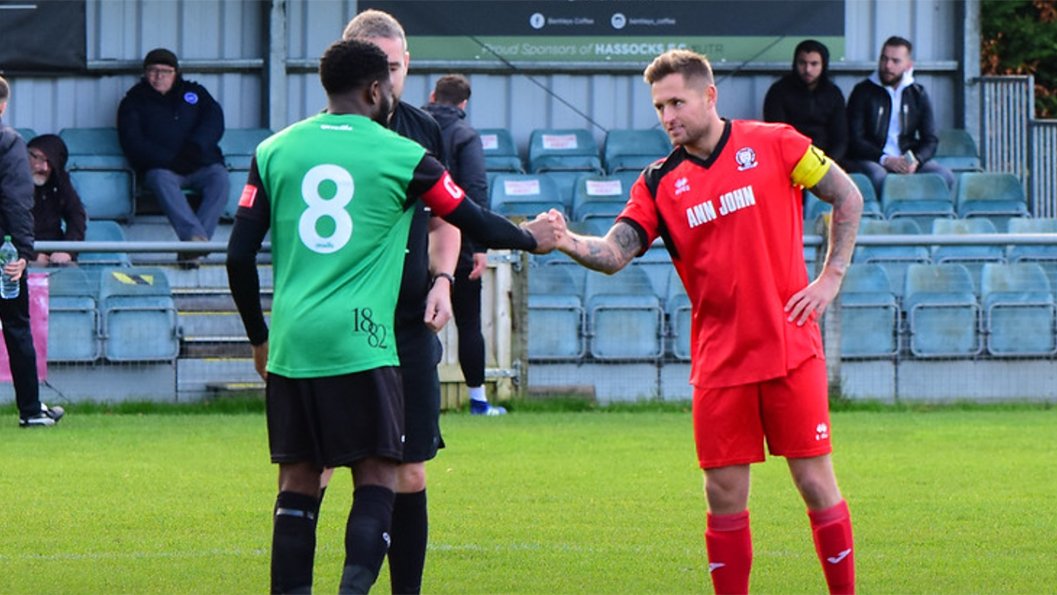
831, 529
729, 544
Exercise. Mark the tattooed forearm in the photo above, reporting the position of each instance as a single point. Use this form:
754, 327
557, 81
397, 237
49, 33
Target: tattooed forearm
839, 190
608, 254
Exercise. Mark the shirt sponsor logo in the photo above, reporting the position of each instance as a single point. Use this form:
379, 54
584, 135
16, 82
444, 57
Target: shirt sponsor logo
249, 194
342, 127
682, 185
746, 159
821, 432
728, 203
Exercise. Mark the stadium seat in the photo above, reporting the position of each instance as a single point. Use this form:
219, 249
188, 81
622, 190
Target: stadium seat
942, 311
997, 196
869, 313
73, 318
139, 320
627, 149
657, 264
563, 150
106, 193
555, 314
957, 150
599, 196
525, 195
971, 257
103, 231
814, 207
624, 316
1046, 256
677, 306
27, 134
94, 148
871, 207
1018, 309
922, 197
894, 259
500, 154
239, 145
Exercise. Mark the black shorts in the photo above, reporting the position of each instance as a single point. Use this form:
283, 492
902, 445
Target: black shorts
420, 352
334, 421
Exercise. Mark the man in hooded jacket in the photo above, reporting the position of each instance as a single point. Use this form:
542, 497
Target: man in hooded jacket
809, 101
58, 213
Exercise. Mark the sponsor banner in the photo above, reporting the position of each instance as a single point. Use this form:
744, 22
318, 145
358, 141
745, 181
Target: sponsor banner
42, 36
613, 30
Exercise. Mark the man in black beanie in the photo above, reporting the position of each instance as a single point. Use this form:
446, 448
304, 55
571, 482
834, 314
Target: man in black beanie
170, 130
58, 213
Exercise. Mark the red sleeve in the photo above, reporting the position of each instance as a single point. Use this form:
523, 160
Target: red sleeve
433, 184
642, 209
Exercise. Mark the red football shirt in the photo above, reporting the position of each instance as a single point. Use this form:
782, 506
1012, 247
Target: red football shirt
734, 226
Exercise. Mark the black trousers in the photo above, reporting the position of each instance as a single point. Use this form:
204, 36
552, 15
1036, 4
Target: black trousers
14, 315
466, 307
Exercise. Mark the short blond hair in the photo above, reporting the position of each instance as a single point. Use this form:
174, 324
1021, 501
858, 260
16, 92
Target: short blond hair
374, 24
685, 62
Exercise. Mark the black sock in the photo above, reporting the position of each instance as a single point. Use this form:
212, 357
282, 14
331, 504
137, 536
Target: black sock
293, 542
407, 553
366, 537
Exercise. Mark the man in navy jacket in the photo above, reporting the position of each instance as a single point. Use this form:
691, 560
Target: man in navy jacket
170, 130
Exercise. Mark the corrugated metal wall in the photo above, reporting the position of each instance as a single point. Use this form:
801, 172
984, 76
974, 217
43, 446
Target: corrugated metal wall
224, 45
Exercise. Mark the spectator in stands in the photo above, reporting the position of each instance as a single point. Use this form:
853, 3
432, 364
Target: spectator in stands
808, 100
170, 129
758, 369
891, 125
58, 213
16, 220
465, 154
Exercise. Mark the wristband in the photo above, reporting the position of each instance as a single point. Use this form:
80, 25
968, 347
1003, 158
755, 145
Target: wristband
450, 278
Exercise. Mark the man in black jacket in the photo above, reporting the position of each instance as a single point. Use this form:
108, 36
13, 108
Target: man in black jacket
170, 130
16, 201
890, 120
58, 213
808, 100
462, 144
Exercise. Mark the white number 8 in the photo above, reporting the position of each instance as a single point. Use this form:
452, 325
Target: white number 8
319, 207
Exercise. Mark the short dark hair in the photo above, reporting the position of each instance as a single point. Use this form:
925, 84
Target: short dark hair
897, 41
5, 90
350, 64
451, 89
685, 62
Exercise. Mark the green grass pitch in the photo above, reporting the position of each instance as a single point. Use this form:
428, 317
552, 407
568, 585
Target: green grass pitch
943, 501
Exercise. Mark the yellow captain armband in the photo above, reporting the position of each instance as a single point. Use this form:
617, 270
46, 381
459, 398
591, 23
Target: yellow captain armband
812, 166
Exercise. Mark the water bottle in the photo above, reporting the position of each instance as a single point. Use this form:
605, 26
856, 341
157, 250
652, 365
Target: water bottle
8, 287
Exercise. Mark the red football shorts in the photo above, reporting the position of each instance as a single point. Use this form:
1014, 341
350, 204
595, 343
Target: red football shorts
791, 413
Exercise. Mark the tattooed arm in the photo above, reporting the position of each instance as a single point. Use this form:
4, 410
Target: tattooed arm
838, 189
608, 254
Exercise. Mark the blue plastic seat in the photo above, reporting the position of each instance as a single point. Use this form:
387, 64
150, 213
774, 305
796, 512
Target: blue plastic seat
94, 148
869, 313
1042, 254
942, 311
555, 314
922, 197
957, 150
599, 196
73, 317
563, 149
525, 195
627, 149
996, 195
680, 314
104, 231
106, 193
239, 145
871, 207
1018, 310
139, 319
624, 316
27, 134
971, 257
894, 259
500, 153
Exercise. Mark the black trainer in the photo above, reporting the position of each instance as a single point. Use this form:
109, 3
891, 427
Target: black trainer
47, 417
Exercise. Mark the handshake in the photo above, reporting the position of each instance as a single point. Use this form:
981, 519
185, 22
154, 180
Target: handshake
549, 229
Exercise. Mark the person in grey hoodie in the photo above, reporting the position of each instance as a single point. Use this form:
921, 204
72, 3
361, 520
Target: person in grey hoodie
891, 125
